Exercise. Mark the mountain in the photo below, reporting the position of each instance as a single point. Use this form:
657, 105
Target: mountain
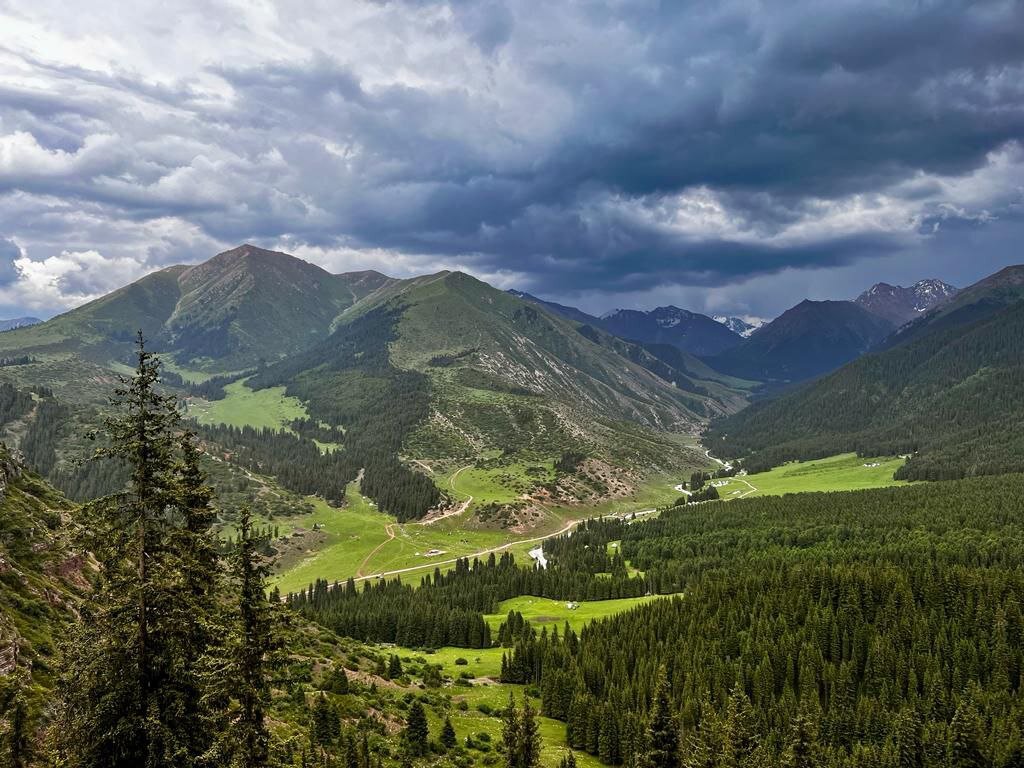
690, 331
18, 322
439, 367
973, 303
241, 307
559, 309
948, 392
900, 305
805, 341
740, 325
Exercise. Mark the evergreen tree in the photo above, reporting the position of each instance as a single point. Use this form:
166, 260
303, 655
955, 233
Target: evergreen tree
511, 734
965, 738
131, 692
254, 640
324, 724
416, 733
448, 739
569, 761
394, 667
529, 737
663, 728
800, 753
521, 736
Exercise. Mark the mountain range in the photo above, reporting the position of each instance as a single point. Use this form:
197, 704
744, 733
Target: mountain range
812, 338
452, 366
945, 389
689, 331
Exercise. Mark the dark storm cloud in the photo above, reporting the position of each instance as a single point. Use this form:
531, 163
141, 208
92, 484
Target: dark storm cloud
608, 147
9, 252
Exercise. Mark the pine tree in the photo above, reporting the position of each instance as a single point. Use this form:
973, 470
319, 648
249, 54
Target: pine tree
416, 733
324, 723
394, 667
131, 691
448, 739
511, 734
965, 738
664, 728
800, 753
569, 761
255, 638
529, 737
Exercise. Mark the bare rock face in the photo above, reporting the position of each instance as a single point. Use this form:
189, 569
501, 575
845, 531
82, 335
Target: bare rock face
9, 648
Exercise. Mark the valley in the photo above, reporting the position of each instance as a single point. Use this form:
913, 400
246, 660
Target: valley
461, 494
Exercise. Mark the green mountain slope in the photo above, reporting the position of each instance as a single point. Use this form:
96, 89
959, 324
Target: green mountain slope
238, 309
952, 395
41, 575
439, 367
447, 367
464, 333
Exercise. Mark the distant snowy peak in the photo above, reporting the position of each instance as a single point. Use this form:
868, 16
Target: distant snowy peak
929, 293
689, 331
744, 326
899, 304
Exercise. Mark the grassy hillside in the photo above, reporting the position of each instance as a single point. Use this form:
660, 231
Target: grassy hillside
42, 576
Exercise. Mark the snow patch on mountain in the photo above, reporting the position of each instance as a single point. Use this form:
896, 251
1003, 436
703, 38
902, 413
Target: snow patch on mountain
744, 325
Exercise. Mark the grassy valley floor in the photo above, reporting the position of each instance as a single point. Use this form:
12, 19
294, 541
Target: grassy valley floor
843, 472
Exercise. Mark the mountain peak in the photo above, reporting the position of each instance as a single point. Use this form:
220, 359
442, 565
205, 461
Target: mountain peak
900, 305
744, 326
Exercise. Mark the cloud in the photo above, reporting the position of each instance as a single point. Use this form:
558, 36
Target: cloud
612, 152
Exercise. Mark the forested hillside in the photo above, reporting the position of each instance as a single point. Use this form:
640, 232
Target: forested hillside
951, 398
871, 628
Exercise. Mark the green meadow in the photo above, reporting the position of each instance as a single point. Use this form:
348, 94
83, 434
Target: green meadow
541, 612
843, 472
241, 407
480, 696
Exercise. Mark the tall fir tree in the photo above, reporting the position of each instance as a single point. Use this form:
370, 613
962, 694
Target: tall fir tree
448, 739
663, 729
521, 735
511, 733
416, 733
131, 692
255, 638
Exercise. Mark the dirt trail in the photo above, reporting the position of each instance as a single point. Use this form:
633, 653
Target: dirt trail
389, 529
453, 511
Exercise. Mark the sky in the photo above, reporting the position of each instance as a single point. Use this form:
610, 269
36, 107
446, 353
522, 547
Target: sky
726, 157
